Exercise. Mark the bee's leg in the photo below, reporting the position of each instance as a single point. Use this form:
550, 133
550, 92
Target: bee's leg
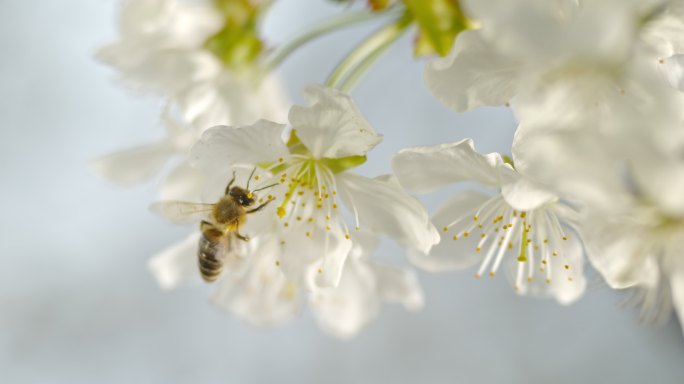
230, 183
241, 237
259, 207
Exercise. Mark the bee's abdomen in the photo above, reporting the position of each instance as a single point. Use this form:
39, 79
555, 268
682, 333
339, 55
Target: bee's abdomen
210, 265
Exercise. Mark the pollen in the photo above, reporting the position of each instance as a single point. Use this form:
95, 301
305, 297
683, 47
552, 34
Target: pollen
277, 263
478, 249
256, 177
492, 274
346, 236
310, 220
529, 280
445, 229
357, 228
475, 218
320, 270
566, 266
334, 206
308, 234
466, 234
455, 237
299, 218
280, 159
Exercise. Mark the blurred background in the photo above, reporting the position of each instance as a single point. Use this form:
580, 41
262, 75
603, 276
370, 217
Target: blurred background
77, 304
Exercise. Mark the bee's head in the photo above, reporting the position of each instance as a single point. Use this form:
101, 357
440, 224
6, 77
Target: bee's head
242, 196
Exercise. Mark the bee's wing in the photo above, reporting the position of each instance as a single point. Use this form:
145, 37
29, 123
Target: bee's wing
181, 212
229, 251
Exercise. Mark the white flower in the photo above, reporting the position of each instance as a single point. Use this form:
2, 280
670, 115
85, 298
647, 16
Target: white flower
343, 311
140, 164
253, 288
308, 171
162, 49
519, 225
559, 59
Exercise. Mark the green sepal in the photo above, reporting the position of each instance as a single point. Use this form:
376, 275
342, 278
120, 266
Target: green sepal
439, 22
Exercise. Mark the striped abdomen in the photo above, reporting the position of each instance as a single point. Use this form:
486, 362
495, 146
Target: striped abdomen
209, 261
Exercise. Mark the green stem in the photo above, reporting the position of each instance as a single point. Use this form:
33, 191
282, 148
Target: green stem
356, 63
353, 78
325, 27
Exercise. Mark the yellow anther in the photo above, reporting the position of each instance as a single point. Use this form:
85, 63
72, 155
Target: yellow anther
277, 263
478, 249
280, 212
445, 229
492, 274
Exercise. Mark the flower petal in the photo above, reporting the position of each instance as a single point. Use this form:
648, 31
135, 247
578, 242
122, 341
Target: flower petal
450, 254
524, 195
316, 259
677, 287
134, 165
566, 285
257, 291
424, 169
616, 251
223, 147
183, 183
344, 310
474, 75
332, 126
398, 285
177, 264
383, 207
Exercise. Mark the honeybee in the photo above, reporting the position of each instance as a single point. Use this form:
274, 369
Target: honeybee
219, 223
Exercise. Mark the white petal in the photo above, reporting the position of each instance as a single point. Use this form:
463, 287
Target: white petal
223, 147
525, 195
332, 127
257, 291
424, 169
383, 207
677, 287
452, 254
398, 286
177, 264
618, 254
183, 183
344, 310
316, 260
673, 69
135, 165
474, 75
566, 286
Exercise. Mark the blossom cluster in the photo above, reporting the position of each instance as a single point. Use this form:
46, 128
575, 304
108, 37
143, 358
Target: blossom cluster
595, 174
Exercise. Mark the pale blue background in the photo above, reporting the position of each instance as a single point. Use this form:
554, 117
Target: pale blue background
78, 306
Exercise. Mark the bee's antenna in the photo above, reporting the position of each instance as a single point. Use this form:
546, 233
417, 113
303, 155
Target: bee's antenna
250, 177
262, 188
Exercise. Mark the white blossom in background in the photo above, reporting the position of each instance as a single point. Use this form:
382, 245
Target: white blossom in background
254, 289
162, 49
519, 227
307, 168
563, 60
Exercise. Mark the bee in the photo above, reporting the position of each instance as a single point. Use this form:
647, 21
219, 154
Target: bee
219, 223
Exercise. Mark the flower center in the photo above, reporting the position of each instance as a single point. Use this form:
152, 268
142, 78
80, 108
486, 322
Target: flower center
534, 238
